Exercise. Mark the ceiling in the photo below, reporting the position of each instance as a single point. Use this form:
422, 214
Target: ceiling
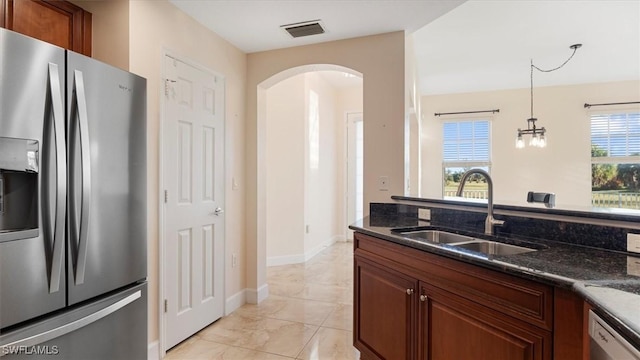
476, 45
488, 45
254, 25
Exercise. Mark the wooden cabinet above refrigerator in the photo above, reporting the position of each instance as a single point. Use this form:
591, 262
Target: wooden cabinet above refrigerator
57, 22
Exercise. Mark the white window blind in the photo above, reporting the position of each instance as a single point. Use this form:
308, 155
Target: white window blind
616, 135
466, 141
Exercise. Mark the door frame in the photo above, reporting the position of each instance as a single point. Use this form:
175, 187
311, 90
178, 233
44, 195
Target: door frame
161, 185
347, 189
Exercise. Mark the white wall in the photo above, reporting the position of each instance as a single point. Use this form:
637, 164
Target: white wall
380, 59
285, 176
157, 26
110, 26
563, 167
323, 201
297, 194
349, 101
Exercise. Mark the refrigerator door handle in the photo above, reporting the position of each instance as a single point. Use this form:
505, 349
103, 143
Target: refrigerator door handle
71, 326
61, 181
81, 231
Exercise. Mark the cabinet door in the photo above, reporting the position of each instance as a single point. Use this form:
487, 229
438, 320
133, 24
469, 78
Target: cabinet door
57, 22
384, 312
452, 327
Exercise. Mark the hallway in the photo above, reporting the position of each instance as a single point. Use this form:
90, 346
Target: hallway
308, 315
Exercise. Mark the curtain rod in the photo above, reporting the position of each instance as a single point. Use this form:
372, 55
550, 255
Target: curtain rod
620, 103
468, 112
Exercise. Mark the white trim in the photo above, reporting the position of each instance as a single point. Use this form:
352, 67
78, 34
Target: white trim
256, 296
308, 255
153, 351
161, 249
301, 258
285, 260
235, 301
340, 238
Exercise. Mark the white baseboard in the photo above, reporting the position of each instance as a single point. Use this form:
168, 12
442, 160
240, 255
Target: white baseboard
153, 351
340, 238
256, 296
235, 301
316, 250
300, 258
285, 260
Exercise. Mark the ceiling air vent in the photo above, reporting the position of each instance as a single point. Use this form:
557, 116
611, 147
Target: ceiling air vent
306, 28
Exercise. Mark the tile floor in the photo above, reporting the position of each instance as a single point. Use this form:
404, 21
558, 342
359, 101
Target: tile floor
308, 315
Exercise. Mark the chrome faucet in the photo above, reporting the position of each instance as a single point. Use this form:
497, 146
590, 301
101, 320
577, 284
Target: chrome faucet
490, 221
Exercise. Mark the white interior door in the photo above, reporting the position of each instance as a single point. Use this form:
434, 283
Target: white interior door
193, 176
355, 172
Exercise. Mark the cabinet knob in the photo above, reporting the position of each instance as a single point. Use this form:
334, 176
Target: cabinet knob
423, 297
409, 291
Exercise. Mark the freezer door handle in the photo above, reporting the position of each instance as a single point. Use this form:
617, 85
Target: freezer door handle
80, 232
61, 180
71, 326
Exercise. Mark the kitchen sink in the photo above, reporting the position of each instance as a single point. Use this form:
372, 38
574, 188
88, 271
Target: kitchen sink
438, 237
493, 248
453, 241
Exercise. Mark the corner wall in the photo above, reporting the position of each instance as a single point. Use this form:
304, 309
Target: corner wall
285, 182
381, 61
110, 34
297, 194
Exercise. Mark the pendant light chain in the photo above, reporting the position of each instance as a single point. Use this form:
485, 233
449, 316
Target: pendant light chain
532, 67
538, 135
574, 47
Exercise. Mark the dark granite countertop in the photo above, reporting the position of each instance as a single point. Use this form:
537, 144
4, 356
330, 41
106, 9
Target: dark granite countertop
600, 276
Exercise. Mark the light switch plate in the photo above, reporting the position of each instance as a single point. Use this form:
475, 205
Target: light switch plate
424, 214
633, 242
633, 266
383, 183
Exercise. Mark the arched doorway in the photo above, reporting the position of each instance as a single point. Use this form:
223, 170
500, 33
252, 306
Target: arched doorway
304, 142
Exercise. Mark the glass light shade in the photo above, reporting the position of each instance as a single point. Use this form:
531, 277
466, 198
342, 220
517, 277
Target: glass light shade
543, 141
534, 140
519, 142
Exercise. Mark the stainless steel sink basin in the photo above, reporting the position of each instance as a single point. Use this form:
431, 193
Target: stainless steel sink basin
486, 247
438, 237
493, 248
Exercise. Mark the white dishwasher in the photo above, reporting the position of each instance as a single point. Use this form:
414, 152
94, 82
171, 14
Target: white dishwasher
606, 344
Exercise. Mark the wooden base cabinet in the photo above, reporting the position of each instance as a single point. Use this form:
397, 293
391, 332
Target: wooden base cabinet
386, 313
451, 327
409, 304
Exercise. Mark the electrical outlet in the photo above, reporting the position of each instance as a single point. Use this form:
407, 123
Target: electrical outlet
633, 242
633, 266
234, 260
424, 214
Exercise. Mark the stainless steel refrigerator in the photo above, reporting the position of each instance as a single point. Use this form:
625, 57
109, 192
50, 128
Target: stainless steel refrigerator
72, 205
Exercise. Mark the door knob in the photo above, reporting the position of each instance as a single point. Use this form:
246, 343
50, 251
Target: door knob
217, 212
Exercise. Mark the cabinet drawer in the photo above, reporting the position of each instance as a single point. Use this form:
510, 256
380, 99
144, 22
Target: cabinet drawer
523, 299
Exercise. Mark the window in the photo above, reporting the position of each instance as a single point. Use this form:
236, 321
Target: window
615, 160
465, 145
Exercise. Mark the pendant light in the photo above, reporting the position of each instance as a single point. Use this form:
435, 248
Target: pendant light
538, 134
